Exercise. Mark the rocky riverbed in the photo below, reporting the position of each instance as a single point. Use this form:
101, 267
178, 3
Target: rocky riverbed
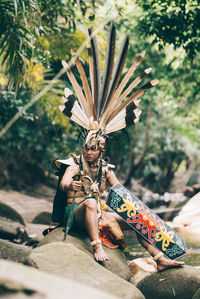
33, 266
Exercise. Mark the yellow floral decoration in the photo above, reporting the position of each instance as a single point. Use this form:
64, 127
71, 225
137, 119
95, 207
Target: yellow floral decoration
129, 206
164, 236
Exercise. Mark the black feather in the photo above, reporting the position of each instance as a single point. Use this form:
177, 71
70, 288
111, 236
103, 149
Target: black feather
131, 107
96, 75
108, 68
69, 105
150, 84
130, 114
117, 71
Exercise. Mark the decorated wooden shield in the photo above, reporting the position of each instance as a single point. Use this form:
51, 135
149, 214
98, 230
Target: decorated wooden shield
146, 222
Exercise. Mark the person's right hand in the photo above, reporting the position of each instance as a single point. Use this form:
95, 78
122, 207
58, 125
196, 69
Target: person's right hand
76, 185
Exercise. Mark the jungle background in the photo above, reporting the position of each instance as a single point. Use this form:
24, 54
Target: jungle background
35, 35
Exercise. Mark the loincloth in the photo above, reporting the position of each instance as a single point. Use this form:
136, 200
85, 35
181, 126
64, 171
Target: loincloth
73, 229
109, 230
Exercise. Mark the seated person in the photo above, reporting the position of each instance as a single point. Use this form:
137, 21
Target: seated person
93, 174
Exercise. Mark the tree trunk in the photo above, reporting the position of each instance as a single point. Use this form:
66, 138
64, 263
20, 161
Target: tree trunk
136, 162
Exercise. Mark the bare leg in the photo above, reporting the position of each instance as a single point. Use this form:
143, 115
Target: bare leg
162, 263
86, 218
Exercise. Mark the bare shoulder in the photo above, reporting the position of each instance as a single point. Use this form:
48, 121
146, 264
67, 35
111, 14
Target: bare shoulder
72, 170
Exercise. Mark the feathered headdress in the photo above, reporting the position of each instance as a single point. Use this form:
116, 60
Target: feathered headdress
108, 105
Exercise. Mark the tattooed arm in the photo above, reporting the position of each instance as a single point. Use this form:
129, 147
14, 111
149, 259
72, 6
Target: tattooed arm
68, 183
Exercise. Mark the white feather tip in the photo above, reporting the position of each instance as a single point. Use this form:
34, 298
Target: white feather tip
68, 92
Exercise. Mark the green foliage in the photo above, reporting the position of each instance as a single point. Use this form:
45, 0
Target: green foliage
174, 121
22, 22
164, 155
57, 48
14, 40
29, 149
175, 22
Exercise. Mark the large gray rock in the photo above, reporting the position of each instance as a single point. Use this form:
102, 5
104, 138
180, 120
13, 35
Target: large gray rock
8, 212
22, 282
13, 252
177, 283
183, 224
68, 261
117, 261
12, 225
27, 206
12, 230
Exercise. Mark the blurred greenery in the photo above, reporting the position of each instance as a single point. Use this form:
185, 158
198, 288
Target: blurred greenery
36, 35
175, 22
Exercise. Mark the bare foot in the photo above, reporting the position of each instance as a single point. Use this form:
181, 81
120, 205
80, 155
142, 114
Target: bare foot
99, 253
163, 263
